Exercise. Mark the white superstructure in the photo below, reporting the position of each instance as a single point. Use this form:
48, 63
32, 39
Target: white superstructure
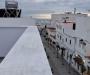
73, 33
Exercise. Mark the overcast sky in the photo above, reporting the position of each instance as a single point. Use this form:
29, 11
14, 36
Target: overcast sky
51, 6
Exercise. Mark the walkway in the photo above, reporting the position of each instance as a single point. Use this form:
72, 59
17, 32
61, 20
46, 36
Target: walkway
56, 63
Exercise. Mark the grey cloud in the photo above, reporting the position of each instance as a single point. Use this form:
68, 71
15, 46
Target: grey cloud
50, 6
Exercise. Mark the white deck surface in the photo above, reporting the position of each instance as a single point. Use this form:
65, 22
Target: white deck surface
27, 57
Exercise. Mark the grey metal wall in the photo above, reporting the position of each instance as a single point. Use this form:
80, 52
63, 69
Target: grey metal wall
8, 37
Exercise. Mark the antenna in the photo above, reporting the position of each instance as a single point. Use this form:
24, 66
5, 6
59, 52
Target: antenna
75, 10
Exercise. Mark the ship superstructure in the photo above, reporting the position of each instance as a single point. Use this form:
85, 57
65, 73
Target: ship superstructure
73, 37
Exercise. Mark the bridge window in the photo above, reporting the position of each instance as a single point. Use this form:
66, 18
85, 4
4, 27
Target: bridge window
74, 26
70, 42
60, 37
66, 39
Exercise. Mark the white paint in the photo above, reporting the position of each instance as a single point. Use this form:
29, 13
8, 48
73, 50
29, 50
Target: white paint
8, 37
27, 57
65, 30
10, 30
